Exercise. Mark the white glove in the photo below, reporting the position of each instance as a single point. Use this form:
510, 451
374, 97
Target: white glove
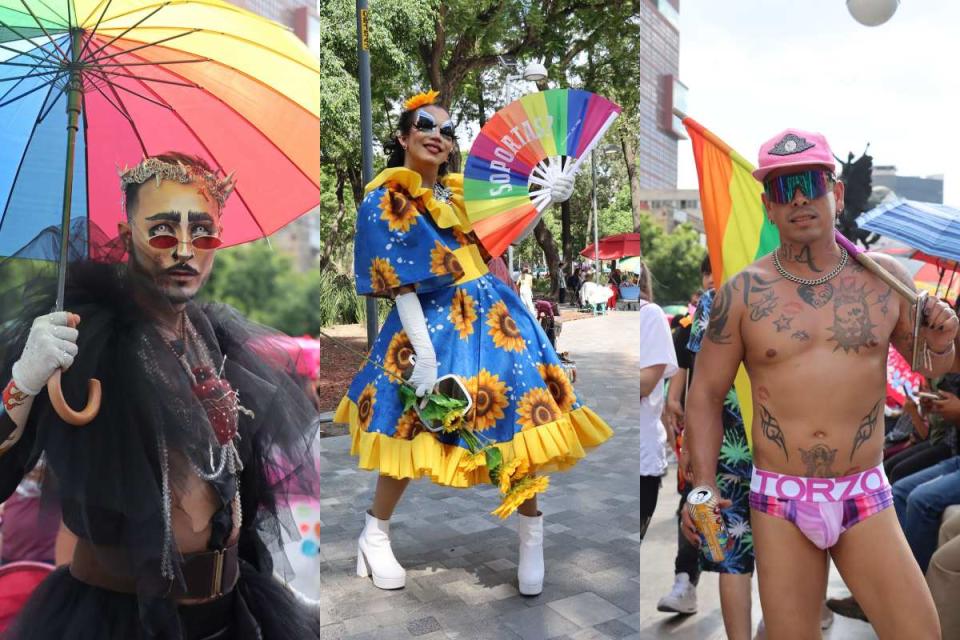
561, 189
425, 366
51, 345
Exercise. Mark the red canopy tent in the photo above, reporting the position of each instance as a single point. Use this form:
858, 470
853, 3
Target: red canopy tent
622, 245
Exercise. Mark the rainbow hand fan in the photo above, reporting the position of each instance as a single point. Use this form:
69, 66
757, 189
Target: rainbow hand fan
519, 154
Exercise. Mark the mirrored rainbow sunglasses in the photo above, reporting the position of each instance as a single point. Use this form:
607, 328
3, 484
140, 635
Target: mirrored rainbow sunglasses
813, 183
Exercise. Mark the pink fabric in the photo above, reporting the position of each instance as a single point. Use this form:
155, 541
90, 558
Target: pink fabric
793, 148
17, 582
787, 487
822, 508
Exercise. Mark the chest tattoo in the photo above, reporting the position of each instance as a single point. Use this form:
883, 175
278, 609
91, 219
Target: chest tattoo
852, 327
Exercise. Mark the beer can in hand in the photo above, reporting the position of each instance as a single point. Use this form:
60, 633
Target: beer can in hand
705, 512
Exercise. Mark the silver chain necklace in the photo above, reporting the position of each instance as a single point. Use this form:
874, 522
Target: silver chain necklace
808, 281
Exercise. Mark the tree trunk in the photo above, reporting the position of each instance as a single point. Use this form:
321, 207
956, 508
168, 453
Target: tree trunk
630, 157
549, 247
333, 238
566, 239
481, 103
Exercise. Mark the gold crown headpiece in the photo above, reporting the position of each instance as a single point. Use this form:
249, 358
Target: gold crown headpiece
421, 99
219, 188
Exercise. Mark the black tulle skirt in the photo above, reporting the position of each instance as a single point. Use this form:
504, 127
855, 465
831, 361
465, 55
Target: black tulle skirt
259, 608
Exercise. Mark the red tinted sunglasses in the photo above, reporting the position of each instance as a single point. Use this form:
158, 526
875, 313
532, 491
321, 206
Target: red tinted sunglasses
204, 243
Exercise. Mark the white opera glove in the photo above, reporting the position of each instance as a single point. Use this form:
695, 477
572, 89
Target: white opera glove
561, 188
51, 345
425, 367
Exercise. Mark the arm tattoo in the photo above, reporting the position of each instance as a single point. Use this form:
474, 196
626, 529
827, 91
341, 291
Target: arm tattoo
867, 426
801, 257
883, 298
819, 460
852, 327
13, 397
719, 316
771, 429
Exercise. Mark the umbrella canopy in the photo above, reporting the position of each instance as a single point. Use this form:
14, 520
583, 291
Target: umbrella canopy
200, 77
633, 264
937, 276
934, 229
618, 246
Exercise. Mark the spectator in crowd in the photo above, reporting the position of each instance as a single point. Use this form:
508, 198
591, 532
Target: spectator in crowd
658, 362
615, 276
561, 283
682, 597
29, 529
525, 284
943, 577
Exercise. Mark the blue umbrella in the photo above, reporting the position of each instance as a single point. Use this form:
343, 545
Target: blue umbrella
932, 228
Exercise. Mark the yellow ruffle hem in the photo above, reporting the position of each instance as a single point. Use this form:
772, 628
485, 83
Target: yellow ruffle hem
554, 446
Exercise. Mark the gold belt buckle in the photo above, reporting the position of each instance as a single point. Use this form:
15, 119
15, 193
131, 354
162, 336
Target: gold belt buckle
218, 573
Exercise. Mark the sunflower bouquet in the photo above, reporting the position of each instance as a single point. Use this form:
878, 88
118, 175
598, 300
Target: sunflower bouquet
441, 412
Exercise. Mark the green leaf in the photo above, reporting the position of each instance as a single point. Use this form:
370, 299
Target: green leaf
408, 396
494, 463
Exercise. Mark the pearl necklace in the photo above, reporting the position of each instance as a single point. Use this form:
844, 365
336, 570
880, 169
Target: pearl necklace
808, 281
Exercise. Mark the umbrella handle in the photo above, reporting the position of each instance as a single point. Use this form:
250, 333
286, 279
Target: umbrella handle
66, 413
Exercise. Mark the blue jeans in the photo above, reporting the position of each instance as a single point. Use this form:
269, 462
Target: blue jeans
920, 500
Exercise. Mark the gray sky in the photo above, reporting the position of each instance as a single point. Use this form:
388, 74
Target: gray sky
755, 67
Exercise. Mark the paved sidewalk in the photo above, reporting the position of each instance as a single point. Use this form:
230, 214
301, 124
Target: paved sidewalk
461, 561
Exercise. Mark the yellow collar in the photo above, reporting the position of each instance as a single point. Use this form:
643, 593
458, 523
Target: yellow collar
446, 215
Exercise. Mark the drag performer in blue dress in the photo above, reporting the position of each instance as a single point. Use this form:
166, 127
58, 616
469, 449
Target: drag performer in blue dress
414, 245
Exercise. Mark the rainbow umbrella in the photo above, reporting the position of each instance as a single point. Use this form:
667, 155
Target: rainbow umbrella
90, 86
520, 151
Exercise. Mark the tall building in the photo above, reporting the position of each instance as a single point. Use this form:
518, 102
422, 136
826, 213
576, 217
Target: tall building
928, 189
301, 238
660, 91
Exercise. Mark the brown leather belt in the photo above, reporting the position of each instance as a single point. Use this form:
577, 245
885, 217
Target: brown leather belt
207, 575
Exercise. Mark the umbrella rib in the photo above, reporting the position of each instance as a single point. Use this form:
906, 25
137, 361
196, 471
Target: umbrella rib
213, 156
46, 112
106, 79
190, 85
86, 45
27, 93
133, 124
39, 74
11, 89
29, 54
282, 152
44, 29
54, 12
22, 37
252, 43
122, 110
125, 31
152, 64
144, 46
16, 176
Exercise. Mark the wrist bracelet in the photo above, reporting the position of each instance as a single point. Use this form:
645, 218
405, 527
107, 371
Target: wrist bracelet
938, 353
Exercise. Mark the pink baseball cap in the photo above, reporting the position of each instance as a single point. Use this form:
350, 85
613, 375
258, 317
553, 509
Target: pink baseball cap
793, 148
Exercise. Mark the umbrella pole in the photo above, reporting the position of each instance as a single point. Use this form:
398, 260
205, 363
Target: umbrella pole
74, 105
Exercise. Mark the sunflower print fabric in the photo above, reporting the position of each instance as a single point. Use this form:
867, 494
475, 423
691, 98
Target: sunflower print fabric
479, 328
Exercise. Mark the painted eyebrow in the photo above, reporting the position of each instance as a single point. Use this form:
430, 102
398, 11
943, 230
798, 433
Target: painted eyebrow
174, 216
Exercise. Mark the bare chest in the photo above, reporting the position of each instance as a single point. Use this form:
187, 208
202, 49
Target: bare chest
852, 315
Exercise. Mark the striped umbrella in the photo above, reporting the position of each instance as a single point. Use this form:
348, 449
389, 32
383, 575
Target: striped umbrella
931, 228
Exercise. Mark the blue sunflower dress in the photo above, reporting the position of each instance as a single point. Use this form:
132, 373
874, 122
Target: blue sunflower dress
480, 331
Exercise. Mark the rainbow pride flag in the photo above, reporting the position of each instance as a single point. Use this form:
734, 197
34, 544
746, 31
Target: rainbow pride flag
738, 230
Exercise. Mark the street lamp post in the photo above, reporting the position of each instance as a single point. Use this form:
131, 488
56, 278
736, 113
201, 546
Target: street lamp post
593, 202
366, 136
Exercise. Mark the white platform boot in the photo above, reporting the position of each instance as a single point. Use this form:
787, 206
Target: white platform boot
530, 567
375, 557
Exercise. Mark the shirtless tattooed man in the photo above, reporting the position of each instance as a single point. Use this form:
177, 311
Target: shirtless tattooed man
813, 328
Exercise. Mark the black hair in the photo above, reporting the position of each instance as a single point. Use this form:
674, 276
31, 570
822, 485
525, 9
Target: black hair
395, 151
132, 190
706, 268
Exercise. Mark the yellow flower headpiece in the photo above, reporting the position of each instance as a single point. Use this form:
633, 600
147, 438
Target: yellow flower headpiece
420, 100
